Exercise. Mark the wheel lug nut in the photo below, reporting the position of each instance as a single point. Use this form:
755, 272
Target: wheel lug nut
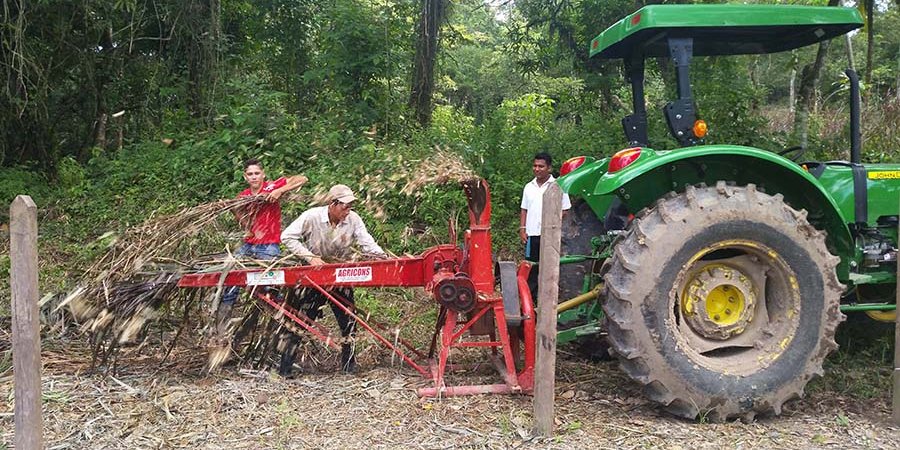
716, 317
730, 299
727, 312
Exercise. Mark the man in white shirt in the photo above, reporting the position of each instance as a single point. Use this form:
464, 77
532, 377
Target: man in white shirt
330, 233
530, 216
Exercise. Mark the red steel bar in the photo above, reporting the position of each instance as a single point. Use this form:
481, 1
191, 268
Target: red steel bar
397, 272
480, 266
526, 377
500, 321
368, 328
295, 317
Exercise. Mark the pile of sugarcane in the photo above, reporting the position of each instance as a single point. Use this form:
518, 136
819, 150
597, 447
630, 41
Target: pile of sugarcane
134, 283
125, 288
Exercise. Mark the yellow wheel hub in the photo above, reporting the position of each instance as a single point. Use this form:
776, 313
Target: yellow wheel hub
717, 301
724, 304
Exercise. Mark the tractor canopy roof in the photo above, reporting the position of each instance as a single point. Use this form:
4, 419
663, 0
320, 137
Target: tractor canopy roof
728, 29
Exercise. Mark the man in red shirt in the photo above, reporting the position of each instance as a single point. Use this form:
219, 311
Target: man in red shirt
262, 222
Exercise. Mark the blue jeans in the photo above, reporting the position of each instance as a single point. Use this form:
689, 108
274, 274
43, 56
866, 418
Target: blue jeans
257, 251
533, 254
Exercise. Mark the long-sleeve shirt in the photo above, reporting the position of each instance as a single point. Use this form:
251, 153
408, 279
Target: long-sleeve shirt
312, 234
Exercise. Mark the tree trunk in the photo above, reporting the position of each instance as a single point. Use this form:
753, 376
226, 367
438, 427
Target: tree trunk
99, 133
809, 81
792, 92
432, 15
870, 39
120, 137
204, 28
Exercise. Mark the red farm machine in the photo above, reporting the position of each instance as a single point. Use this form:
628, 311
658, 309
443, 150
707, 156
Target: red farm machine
461, 280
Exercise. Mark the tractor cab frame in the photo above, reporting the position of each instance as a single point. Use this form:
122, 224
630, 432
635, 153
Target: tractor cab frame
682, 32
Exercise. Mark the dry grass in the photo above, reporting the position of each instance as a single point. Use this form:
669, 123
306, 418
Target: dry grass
134, 282
178, 406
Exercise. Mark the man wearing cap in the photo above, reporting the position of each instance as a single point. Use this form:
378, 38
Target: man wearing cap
331, 233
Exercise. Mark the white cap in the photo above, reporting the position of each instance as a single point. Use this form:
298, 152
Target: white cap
341, 193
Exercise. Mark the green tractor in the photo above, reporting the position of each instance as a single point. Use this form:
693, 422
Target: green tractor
722, 271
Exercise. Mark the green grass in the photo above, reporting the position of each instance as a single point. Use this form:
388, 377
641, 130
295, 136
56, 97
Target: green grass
862, 366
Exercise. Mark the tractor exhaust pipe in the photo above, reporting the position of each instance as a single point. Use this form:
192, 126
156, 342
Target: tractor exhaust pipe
855, 133
860, 182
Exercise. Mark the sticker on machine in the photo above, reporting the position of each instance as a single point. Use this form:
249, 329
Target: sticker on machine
884, 175
269, 278
352, 274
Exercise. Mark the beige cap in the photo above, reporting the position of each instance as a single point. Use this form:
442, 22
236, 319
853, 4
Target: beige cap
341, 193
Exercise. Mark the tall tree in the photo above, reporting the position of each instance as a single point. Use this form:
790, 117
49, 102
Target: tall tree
203, 24
809, 82
431, 17
870, 39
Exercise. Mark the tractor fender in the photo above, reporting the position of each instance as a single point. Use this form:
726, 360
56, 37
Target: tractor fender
656, 173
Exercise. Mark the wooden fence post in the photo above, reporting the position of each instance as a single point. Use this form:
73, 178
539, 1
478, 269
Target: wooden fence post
26, 337
548, 296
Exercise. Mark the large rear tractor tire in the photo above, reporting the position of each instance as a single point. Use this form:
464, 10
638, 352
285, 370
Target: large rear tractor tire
722, 302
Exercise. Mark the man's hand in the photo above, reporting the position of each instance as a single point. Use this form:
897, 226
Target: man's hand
295, 182
273, 196
251, 234
523, 235
315, 261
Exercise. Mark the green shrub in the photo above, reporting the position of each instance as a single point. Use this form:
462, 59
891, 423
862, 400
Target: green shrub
22, 181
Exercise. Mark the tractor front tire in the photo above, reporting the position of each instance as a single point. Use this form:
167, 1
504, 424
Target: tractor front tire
722, 302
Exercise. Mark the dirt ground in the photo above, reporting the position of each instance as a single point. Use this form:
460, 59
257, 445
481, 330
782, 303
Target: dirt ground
149, 405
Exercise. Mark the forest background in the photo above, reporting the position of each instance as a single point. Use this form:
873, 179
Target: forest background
115, 111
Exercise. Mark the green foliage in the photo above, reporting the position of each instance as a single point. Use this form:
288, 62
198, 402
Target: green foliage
451, 126
729, 102
886, 71
525, 126
321, 88
354, 70
70, 174
21, 181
